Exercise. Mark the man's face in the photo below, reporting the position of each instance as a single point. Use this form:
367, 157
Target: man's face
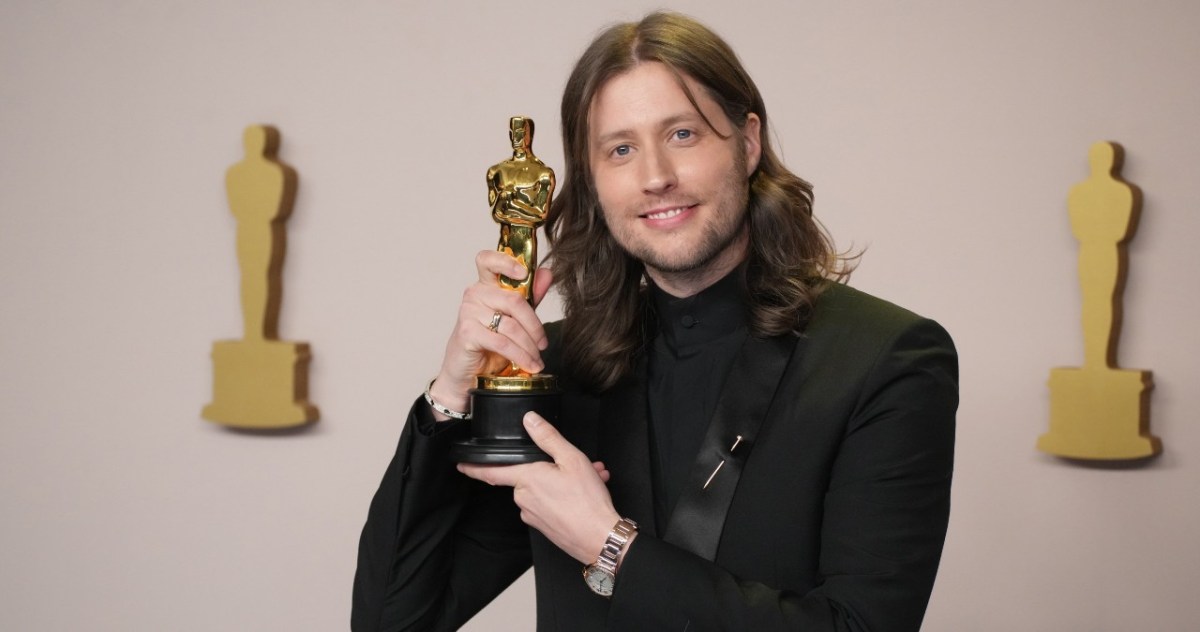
673, 191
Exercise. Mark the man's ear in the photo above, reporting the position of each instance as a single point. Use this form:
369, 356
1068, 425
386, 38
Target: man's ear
752, 139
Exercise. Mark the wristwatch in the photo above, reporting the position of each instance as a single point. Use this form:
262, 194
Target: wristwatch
602, 576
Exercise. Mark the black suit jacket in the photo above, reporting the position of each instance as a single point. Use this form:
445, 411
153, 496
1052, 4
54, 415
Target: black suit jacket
832, 518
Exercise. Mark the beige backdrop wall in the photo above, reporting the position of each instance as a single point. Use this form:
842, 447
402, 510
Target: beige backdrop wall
942, 136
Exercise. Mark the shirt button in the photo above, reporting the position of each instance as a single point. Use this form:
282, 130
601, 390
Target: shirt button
688, 321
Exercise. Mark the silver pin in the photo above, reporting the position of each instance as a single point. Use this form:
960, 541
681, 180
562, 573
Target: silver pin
722, 463
710, 476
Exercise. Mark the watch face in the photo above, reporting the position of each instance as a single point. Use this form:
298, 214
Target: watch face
599, 580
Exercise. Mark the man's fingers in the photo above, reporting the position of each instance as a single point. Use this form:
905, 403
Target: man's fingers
518, 334
514, 307
488, 298
489, 263
548, 438
509, 339
541, 284
506, 475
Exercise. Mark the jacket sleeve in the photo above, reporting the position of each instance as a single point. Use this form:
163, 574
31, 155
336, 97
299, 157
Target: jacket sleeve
884, 517
437, 546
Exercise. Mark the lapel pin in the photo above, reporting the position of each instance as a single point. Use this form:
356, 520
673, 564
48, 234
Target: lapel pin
722, 463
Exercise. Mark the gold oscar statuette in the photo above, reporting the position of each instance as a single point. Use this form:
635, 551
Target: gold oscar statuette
519, 192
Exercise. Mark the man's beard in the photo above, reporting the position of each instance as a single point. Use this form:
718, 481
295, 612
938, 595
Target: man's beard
716, 240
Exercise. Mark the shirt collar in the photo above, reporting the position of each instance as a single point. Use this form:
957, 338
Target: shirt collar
716, 311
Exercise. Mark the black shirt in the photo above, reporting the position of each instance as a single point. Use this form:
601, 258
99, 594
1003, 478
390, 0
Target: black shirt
690, 357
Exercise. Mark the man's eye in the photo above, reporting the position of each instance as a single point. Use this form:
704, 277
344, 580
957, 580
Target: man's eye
683, 134
621, 150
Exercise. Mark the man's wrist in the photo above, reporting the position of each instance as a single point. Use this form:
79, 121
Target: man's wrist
446, 403
601, 575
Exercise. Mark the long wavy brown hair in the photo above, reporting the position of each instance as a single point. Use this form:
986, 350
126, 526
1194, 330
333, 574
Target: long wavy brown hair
790, 259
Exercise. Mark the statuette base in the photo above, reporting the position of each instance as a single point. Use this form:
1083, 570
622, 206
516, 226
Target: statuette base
498, 435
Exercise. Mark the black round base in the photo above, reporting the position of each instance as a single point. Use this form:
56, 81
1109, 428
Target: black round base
498, 436
496, 452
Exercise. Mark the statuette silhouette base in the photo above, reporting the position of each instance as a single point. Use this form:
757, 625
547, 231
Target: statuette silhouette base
498, 435
260, 385
1099, 414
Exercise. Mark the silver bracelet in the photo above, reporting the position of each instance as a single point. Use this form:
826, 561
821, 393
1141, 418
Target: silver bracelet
453, 414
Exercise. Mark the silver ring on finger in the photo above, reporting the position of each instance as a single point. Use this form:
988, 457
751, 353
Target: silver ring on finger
495, 324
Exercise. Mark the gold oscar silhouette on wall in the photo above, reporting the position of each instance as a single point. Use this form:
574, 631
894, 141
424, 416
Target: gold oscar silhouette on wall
1099, 411
260, 382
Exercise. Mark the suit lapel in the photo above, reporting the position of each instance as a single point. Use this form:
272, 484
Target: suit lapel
698, 520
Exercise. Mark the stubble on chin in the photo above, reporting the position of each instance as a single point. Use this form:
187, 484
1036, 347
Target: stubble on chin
715, 243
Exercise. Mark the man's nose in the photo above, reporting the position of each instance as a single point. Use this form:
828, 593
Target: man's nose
658, 171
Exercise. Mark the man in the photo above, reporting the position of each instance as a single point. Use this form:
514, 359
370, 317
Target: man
744, 443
